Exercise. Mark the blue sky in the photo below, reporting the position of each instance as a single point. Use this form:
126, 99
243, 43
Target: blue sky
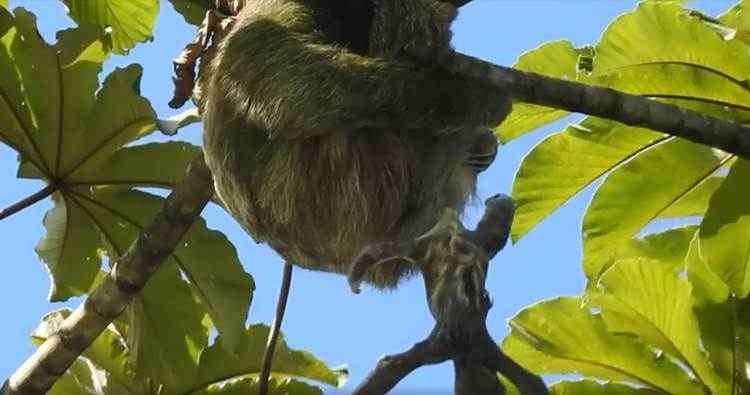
323, 316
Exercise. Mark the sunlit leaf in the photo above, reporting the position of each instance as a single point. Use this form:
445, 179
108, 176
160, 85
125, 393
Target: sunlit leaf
725, 230
646, 299
73, 258
193, 10
707, 286
250, 386
660, 51
560, 336
636, 193
694, 202
81, 378
217, 365
554, 59
131, 21
589, 387
565, 163
37, 78
223, 287
668, 247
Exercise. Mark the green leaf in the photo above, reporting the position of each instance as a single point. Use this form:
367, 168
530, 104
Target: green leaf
131, 21
636, 193
554, 59
643, 52
218, 365
707, 286
152, 164
694, 202
120, 115
668, 247
250, 386
224, 288
560, 336
106, 357
565, 163
725, 230
648, 300
510, 389
588, 387
81, 378
73, 259
193, 10
165, 332
37, 78
725, 332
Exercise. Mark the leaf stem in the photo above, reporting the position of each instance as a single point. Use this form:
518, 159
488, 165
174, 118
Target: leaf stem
29, 200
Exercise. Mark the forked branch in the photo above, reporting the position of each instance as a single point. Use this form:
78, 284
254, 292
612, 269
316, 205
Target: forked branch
454, 263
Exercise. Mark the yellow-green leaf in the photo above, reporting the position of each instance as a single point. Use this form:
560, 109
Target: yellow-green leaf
37, 78
589, 387
637, 192
217, 365
565, 163
659, 50
668, 247
646, 299
193, 10
725, 230
694, 202
131, 21
250, 386
560, 336
554, 59
224, 288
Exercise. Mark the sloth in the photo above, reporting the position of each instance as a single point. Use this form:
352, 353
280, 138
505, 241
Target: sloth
329, 125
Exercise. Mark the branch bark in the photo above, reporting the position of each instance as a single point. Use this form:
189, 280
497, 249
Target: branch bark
128, 276
453, 262
608, 103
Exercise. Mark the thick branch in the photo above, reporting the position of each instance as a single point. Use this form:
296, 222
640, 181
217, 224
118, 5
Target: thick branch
125, 280
453, 262
608, 103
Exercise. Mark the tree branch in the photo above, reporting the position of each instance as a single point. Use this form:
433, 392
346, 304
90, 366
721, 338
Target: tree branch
128, 276
608, 103
49, 189
453, 262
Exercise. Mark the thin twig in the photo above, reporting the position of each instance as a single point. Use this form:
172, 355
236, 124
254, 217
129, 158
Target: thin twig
273, 335
48, 189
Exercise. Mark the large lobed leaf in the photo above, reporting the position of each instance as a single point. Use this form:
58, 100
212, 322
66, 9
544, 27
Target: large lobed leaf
725, 231
638, 192
648, 300
658, 50
218, 365
131, 21
562, 336
73, 133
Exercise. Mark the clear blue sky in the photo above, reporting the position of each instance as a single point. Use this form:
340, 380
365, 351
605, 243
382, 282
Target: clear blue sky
323, 316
